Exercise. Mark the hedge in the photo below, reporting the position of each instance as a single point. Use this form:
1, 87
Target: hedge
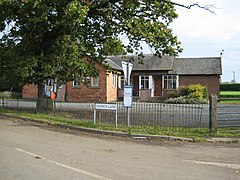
230, 87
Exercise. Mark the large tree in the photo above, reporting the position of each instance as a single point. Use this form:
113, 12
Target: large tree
49, 38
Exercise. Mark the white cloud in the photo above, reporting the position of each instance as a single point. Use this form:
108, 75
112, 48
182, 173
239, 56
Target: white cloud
205, 34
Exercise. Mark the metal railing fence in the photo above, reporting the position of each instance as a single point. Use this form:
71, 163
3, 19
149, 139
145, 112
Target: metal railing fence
157, 115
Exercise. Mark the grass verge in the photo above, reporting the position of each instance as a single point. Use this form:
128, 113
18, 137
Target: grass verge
229, 94
198, 134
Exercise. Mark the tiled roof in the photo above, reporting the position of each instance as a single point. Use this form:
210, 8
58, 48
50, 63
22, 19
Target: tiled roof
147, 63
113, 65
184, 66
198, 66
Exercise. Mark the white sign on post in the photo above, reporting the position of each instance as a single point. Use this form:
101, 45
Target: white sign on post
127, 69
99, 106
106, 106
127, 94
127, 98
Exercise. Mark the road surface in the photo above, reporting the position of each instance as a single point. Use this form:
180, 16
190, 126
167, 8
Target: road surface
30, 151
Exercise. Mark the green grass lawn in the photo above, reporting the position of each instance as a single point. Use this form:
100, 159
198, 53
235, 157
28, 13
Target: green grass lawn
198, 134
230, 94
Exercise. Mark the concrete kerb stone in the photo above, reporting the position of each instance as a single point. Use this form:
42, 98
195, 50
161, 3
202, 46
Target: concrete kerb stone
223, 140
122, 134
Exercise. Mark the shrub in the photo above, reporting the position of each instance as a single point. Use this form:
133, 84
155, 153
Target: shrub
8, 94
192, 94
230, 87
197, 91
185, 100
183, 91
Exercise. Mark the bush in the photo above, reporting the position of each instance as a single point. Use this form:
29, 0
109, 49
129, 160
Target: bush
230, 87
198, 91
8, 94
183, 91
185, 100
193, 94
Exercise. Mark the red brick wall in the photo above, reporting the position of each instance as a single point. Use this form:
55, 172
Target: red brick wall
211, 81
29, 92
87, 93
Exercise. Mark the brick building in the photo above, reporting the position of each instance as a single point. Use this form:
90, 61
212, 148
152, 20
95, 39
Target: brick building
160, 78
86, 89
152, 78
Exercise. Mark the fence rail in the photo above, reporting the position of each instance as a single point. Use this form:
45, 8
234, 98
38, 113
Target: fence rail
157, 115
228, 115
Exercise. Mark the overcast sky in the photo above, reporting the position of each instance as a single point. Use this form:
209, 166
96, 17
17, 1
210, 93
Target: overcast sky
204, 34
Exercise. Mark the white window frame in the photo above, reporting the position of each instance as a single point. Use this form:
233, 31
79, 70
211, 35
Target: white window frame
148, 81
121, 82
114, 80
76, 82
95, 81
172, 82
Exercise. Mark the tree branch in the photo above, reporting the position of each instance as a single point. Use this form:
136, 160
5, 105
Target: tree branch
207, 7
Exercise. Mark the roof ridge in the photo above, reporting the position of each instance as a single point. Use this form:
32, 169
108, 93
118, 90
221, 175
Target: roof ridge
214, 57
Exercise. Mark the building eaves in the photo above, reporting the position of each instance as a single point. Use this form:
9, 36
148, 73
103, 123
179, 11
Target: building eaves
113, 65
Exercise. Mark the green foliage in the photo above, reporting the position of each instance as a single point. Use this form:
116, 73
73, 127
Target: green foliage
50, 38
9, 94
230, 87
198, 91
185, 100
113, 47
183, 91
191, 94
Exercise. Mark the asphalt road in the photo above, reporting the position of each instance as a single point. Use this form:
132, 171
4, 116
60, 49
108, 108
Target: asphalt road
33, 152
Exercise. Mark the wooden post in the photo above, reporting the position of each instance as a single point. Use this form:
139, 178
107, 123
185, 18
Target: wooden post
213, 114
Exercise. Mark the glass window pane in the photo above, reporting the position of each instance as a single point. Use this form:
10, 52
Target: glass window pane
170, 82
95, 81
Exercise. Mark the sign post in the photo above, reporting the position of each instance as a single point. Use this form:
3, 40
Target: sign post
98, 106
127, 94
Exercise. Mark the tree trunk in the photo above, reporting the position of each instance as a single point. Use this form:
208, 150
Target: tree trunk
44, 104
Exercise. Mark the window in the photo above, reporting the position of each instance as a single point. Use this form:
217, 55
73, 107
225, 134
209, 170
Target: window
76, 82
144, 82
121, 82
86, 80
95, 81
114, 80
170, 82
